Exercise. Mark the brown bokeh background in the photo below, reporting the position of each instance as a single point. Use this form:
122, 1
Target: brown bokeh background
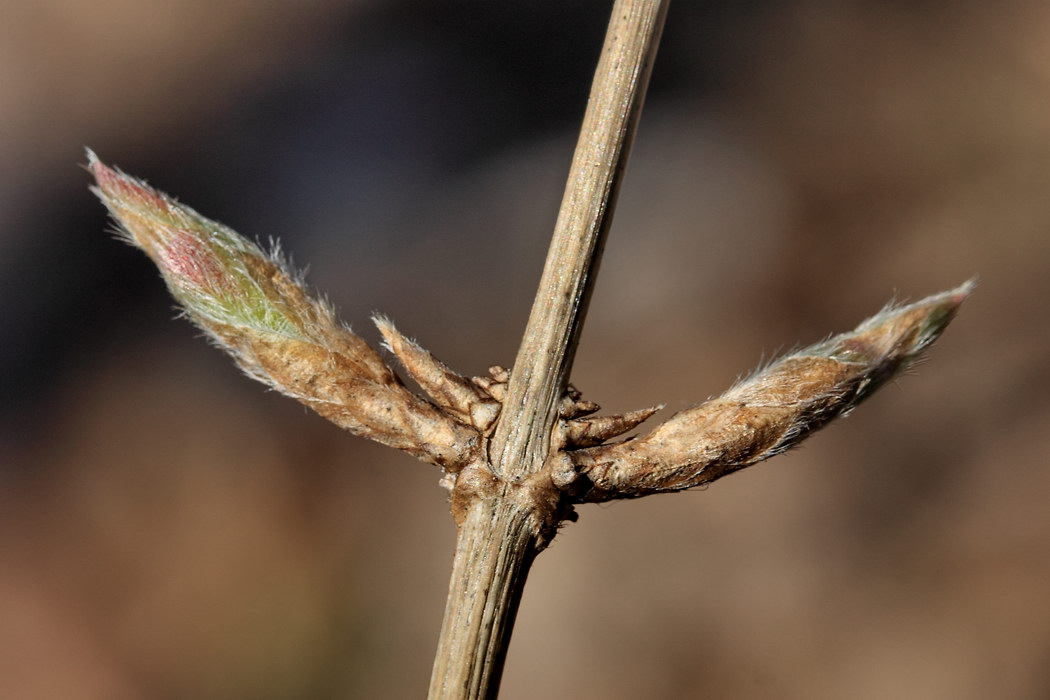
169, 529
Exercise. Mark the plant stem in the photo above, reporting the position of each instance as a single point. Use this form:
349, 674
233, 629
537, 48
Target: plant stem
505, 518
540, 372
494, 550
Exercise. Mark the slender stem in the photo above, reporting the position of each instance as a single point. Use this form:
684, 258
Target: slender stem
493, 554
521, 441
506, 520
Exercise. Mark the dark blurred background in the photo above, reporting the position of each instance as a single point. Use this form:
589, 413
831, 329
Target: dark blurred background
169, 529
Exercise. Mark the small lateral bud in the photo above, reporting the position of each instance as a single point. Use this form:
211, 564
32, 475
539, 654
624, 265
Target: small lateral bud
495, 388
771, 411
594, 430
484, 383
253, 306
574, 407
450, 390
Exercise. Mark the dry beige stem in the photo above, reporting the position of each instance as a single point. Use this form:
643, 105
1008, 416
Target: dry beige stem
764, 415
256, 309
519, 448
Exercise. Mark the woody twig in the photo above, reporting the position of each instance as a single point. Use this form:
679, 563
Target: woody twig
519, 449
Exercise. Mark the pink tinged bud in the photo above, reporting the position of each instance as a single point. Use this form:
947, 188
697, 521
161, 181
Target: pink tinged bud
255, 308
189, 260
218, 276
126, 190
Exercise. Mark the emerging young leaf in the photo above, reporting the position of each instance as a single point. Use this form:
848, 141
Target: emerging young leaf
253, 306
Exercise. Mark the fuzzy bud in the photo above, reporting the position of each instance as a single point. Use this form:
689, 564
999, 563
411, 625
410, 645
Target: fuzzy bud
253, 306
451, 391
769, 412
594, 430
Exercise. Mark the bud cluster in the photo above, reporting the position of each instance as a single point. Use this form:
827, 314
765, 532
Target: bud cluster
254, 306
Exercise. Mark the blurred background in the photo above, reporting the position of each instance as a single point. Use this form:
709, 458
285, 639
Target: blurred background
169, 529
